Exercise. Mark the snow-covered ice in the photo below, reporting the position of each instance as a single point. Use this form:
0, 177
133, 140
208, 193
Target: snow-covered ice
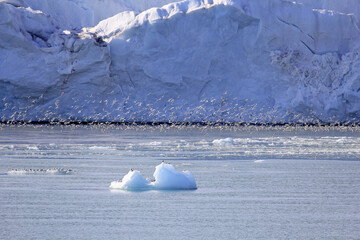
190, 61
165, 178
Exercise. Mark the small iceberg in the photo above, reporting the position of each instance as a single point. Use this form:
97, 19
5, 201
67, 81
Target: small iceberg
166, 178
225, 142
59, 171
258, 161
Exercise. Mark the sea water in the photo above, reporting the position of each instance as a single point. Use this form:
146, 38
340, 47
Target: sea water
253, 182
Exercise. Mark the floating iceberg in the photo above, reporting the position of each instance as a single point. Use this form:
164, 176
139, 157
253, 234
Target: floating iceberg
166, 178
258, 161
223, 142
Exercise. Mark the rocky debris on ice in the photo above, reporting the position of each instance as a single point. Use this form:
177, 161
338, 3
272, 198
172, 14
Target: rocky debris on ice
190, 61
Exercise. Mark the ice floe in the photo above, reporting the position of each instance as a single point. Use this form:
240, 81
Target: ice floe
258, 161
223, 142
59, 171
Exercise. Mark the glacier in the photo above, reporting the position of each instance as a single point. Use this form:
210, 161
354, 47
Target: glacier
257, 61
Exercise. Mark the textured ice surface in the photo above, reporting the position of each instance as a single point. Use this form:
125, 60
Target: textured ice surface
165, 177
196, 60
85, 13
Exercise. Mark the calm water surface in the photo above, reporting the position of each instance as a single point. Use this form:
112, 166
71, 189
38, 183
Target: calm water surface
306, 187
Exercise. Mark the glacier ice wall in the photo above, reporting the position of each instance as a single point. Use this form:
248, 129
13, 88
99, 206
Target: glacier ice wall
195, 60
85, 13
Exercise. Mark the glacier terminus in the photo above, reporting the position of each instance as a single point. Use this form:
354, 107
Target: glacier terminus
259, 61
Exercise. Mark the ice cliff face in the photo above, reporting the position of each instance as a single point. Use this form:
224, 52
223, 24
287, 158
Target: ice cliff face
221, 60
85, 13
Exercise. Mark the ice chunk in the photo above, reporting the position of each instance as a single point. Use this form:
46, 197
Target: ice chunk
223, 142
132, 180
166, 178
258, 161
